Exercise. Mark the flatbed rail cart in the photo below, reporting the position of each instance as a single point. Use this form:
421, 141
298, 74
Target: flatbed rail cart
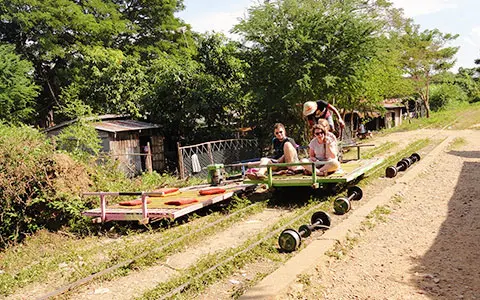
348, 172
167, 203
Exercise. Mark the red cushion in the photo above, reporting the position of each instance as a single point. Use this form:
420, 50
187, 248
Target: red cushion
133, 202
166, 190
211, 191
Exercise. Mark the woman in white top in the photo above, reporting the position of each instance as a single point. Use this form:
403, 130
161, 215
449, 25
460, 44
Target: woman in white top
323, 150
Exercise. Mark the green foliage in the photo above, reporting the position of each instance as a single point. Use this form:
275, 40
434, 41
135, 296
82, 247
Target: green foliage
107, 81
468, 80
37, 187
425, 54
90, 50
17, 89
198, 99
443, 96
80, 140
310, 50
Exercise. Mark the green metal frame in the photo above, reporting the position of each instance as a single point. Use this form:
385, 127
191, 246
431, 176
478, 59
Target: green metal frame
351, 171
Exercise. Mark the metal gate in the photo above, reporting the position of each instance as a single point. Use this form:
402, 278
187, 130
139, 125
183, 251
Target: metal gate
193, 160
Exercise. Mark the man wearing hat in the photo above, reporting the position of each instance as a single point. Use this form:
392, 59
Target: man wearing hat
315, 110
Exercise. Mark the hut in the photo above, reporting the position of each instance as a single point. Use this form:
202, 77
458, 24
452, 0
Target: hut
136, 145
374, 120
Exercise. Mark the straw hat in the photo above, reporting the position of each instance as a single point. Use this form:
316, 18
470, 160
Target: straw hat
309, 108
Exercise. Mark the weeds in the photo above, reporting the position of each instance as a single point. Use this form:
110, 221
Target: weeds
457, 143
376, 216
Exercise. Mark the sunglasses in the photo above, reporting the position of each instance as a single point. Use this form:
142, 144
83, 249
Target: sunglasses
278, 132
317, 133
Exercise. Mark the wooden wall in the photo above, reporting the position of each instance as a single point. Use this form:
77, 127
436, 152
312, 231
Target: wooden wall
158, 153
123, 146
126, 146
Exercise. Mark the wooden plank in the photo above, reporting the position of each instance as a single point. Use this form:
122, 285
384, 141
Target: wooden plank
151, 212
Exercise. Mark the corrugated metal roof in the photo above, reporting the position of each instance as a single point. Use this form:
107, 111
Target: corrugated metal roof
101, 117
123, 125
393, 105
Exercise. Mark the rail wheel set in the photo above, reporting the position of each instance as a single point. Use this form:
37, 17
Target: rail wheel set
291, 239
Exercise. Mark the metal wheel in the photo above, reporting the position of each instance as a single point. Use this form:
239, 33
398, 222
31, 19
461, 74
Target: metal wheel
289, 240
356, 192
341, 205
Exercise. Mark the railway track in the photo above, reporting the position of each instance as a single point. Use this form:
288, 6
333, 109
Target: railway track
72, 286
266, 237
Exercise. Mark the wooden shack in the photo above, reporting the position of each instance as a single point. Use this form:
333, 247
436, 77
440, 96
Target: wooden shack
392, 116
137, 145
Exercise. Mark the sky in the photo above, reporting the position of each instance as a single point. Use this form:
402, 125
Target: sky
449, 16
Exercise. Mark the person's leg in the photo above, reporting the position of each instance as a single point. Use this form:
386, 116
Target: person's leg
291, 156
260, 172
308, 168
331, 166
263, 162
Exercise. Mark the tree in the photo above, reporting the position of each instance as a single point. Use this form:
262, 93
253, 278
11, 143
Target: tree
68, 41
200, 98
17, 88
425, 55
307, 50
467, 80
108, 81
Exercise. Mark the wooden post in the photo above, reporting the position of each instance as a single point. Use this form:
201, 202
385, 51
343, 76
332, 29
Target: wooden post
148, 159
144, 207
103, 207
180, 162
209, 146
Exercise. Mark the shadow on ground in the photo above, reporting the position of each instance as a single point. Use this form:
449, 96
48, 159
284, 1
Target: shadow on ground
451, 267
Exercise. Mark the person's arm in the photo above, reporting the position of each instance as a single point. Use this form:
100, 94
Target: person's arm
339, 117
332, 149
311, 154
310, 121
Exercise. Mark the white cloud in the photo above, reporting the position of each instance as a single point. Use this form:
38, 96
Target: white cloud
473, 37
476, 31
219, 22
470, 41
414, 8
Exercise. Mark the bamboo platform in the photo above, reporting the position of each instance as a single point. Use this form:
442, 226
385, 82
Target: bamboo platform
153, 206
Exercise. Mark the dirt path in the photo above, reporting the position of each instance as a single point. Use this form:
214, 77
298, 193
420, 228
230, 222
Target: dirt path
429, 247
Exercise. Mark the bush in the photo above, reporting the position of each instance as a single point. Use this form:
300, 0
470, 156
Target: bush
38, 187
80, 140
444, 95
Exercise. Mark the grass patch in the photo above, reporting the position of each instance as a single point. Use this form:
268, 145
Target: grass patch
342, 248
457, 143
397, 199
305, 279
378, 215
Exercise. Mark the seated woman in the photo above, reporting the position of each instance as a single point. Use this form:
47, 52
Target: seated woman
323, 149
284, 152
